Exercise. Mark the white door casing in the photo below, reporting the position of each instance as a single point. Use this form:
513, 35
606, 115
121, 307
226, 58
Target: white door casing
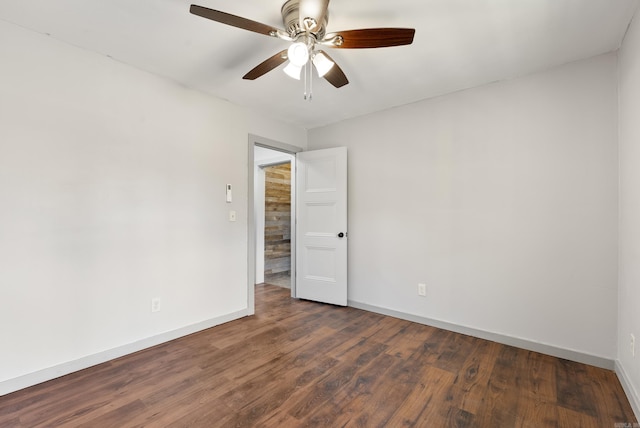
322, 225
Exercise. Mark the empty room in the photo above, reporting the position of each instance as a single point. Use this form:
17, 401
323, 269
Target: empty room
311, 213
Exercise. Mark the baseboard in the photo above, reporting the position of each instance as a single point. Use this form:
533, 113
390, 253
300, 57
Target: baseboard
529, 345
50, 373
627, 385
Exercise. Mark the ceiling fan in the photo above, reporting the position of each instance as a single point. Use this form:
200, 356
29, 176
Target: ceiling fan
305, 22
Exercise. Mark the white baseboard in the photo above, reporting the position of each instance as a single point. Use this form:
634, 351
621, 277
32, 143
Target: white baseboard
529, 345
627, 385
44, 375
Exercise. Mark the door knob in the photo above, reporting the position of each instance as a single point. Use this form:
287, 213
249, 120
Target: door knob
340, 235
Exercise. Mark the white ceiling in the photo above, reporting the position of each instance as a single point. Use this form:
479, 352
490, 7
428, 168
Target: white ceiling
458, 44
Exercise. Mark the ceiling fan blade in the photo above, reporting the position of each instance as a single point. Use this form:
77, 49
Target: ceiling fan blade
314, 9
233, 20
266, 66
370, 38
335, 75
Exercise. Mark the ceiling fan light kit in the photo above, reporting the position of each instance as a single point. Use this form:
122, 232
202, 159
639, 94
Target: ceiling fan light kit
305, 23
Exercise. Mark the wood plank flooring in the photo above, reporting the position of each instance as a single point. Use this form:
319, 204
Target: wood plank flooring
299, 363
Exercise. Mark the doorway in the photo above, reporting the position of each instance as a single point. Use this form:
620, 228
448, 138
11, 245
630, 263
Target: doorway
277, 224
318, 218
271, 215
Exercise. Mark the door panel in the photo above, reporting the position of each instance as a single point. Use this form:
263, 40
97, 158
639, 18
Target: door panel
321, 177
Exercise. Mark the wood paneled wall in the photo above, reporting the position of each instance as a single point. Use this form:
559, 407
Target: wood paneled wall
277, 226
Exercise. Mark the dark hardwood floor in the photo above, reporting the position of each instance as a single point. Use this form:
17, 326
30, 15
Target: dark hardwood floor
300, 363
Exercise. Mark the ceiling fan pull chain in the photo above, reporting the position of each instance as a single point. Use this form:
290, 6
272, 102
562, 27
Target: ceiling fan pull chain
310, 81
305, 82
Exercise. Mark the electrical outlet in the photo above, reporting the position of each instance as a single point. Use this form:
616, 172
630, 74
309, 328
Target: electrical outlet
155, 304
422, 289
633, 345
232, 216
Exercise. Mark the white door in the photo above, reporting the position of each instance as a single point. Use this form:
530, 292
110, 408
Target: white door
321, 237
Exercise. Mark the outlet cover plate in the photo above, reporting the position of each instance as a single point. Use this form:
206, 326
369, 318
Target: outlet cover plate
155, 304
422, 289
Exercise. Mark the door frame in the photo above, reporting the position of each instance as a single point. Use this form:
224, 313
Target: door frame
255, 140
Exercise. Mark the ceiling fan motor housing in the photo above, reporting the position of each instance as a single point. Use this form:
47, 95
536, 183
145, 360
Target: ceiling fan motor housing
291, 19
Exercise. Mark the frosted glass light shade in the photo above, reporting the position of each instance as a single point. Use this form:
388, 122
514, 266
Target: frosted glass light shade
293, 70
298, 54
322, 63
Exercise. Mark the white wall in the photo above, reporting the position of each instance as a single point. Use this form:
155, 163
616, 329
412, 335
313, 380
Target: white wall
112, 192
629, 286
260, 124
503, 199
